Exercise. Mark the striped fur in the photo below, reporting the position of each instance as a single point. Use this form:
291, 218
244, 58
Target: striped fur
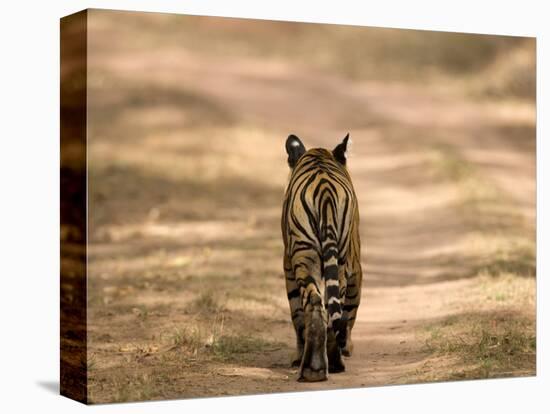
320, 226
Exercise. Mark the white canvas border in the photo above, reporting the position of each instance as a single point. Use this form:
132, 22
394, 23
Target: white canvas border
29, 179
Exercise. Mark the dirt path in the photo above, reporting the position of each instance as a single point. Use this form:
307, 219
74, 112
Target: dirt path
186, 290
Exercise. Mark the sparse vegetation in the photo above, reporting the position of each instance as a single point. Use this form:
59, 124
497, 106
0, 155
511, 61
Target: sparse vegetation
494, 335
516, 260
484, 346
206, 303
209, 340
231, 347
190, 339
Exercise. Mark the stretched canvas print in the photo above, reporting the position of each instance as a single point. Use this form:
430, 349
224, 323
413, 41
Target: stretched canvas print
254, 206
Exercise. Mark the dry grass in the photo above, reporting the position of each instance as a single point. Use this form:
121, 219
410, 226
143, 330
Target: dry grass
492, 331
518, 259
483, 346
232, 347
207, 303
211, 339
150, 371
491, 334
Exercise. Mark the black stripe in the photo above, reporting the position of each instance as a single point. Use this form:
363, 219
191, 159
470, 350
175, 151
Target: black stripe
297, 224
333, 291
331, 272
329, 245
333, 308
330, 253
305, 206
294, 293
300, 249
308, 280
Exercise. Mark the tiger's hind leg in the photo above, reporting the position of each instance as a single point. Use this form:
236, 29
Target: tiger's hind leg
334, 354
296, 313
314, 364
351, 305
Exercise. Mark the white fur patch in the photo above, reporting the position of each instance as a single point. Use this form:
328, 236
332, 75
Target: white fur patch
332, 282
348, 148
295, 143
335, 315
332, 300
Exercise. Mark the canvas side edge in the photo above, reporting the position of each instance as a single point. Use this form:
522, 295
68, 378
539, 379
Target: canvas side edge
73, 229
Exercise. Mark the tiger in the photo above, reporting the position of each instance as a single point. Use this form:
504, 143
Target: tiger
322, 264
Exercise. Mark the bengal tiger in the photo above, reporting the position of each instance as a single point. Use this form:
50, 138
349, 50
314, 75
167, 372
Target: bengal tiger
320, 226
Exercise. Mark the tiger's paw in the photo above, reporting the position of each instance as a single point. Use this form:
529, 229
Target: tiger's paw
348, 349
312, 375
336, 368
335, 362
295, 361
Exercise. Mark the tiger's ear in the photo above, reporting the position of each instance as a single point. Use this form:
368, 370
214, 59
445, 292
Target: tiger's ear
295, 149
340, 152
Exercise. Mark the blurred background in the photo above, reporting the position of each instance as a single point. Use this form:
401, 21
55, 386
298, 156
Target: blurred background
187, 119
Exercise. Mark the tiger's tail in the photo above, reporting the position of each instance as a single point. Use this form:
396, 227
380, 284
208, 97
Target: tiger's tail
329, 248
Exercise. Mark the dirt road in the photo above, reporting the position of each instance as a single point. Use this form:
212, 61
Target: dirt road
186, 292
